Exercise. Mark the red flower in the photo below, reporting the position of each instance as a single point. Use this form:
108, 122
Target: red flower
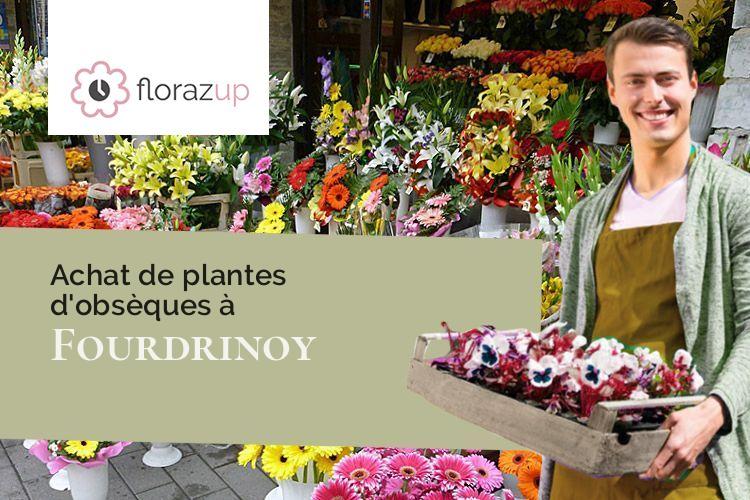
560, 128
544, 151
306, 164
297, 178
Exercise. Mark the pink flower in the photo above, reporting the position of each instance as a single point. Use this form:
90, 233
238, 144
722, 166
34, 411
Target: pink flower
409, 466
265, 182
263, 164
372, 201
437, 495
362, 469
250, 184
472, 494
453, 471
489, 477
388, 452
335, 489
430, 217
240, 217
440, 200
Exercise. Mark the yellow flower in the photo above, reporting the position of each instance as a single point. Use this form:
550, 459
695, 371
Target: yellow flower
273, 211
275, 226
301, 454
340, 108
334, 91
337, 128
38, 102
276, 464
21, 102
4, 110
326, 460
499, 164
180, 190
249, 454
325, 112
84, 450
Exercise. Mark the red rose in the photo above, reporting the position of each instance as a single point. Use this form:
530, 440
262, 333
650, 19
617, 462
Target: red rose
560, 128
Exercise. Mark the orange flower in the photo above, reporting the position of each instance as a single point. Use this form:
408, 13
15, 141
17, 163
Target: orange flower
61, 221
338, 196
528, 479
379, 182
88, 211
100, 224
81, 222
511, 461
335, 174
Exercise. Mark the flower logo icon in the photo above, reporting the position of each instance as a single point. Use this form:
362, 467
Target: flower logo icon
100, 90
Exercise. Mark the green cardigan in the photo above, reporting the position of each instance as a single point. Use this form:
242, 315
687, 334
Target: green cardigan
712, 265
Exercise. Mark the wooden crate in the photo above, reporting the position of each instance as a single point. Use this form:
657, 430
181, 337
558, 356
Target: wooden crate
593, 448
211, 199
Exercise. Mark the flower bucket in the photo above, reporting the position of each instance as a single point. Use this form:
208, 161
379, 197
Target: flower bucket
702, 115
97, 146
292, 490
332, 161
88, 483
403, 203
608, 134
333, 228
303, 224
493, 220
53, 158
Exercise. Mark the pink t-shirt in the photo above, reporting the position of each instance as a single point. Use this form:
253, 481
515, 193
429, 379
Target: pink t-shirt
666, 206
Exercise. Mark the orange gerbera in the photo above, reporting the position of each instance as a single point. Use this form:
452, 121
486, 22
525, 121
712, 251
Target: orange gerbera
335, 174
100, 224
61, 221
511, 461
528, 479
379, 182
338, 196
88, 211
81, 222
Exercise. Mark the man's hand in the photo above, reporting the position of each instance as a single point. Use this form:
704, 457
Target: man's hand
691, 430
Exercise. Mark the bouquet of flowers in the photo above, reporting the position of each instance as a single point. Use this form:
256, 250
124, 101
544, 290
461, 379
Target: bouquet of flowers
511, 60
424, 474
607, 15
77, 159
553, 24
274, 220
298, 186
25, 218
340, 187
293, 462
478, 49
501, 132
264, 181
436, 155
28, 197
58, 454
79, 218
557, 371
175, 166
436, 49
435, 215
526, 466
23, 93
284, 108
143, 218
329, 124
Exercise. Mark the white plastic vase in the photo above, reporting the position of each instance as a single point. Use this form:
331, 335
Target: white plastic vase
53, 158
303, 224
608, 134
493, 220
88, 483
403, 203
292, 490
702, 115
332, 161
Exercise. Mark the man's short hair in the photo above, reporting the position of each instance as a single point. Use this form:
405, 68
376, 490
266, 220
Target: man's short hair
650, 31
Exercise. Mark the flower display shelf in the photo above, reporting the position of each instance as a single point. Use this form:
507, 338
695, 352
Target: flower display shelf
211, 199
595, 448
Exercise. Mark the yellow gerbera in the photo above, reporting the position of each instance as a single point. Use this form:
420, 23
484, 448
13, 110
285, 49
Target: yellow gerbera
326, 461
275, 226
340, 108
249, 454
84, 450
274, 211
276, 464
325, 112
301, 454
335, 91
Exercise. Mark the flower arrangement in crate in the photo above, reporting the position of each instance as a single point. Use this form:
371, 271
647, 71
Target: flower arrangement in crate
414, 473
557, 371
498, 135
434, 215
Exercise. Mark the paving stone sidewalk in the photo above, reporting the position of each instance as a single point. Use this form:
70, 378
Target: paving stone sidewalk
204, 472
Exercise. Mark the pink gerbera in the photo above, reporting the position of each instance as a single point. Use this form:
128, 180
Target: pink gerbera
440, 200
410, 466
265, 182
472, 494
437, 495
251, 184
263, 164
363, 469
335, 489
489, 478
372, 201
431, 217
453, 471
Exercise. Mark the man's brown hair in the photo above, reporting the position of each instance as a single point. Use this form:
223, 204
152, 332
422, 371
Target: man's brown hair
650, 31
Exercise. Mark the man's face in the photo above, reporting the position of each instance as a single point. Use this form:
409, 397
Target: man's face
653, 91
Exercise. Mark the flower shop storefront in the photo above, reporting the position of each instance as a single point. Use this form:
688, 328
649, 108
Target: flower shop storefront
410, 119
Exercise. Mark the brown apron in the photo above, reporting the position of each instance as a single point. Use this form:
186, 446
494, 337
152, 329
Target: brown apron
636, 303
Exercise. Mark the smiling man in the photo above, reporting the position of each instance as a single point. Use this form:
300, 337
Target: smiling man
661, 258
